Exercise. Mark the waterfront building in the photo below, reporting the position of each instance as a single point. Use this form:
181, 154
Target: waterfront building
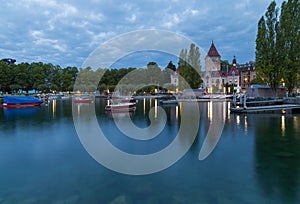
215, 79
212, 77
233, 75
174, 78
247, 74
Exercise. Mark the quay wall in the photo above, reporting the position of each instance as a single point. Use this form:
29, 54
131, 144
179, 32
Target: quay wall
292, 100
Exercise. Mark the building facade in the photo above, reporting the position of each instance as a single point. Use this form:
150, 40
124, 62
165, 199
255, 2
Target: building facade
215, 79
247, 73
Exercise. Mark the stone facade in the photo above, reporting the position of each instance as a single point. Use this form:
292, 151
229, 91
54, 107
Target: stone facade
248, 73
214, 79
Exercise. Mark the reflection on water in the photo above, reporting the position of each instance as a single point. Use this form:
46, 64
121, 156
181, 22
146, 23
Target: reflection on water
53, 104
277, 157
20, 112
283, 125
43, 161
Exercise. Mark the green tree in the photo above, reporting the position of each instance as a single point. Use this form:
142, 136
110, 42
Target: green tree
68, 77
38, 76
21, 75
266, 54
194, 57
278, 44
87, 80
189, 67
171, 66
289, 43
154, 72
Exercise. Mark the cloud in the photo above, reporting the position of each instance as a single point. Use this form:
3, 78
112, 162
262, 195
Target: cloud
65, 32
40, 39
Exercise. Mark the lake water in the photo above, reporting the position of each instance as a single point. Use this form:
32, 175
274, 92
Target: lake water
42, 159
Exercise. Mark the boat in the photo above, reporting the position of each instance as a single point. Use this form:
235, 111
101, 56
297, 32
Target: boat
21, 101
82, 100
130, 106
169, 102
122, 99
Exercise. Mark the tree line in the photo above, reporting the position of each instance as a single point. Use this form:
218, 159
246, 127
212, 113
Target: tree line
37, 76
23, 77
126, 80
45, 78
277, 53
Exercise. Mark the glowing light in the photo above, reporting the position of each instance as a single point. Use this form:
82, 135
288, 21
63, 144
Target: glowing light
246, 124
155, 108
295, 122
224, 111
238, 120
78, 109
176, 113
283, 125
53, 107
144, 106
209, 111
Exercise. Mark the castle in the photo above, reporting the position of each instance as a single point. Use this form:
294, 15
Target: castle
222, 79
217, 79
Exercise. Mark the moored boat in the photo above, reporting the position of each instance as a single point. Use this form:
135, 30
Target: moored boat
121, 107
21, 101
82, 100
122, 99
169, 102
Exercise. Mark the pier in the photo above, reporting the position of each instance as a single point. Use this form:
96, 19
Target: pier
284, 108
265, 106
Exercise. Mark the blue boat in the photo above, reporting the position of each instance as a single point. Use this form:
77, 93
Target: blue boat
21, 101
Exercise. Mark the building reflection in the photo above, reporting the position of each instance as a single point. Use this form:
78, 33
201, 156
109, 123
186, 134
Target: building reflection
296, 123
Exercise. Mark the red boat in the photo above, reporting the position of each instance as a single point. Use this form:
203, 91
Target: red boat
82, 100
121, 107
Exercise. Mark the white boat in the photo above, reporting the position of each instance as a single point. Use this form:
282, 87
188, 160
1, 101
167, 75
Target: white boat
82, 100
121, 107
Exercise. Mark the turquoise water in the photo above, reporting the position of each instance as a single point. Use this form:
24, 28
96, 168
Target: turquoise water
256, 160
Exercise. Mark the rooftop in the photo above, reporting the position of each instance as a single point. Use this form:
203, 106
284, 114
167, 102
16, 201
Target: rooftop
213, 52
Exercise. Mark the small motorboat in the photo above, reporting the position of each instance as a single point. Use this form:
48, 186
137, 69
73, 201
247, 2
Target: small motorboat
121, 107
82, 100
169, 102
122, 99
21, 101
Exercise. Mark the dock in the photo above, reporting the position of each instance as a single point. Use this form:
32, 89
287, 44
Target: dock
264, 106
283, 108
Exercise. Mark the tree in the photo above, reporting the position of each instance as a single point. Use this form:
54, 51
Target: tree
194, 57
68, 77
266, 55
189, 67
154, 72
289, 44
278, 44
171, 66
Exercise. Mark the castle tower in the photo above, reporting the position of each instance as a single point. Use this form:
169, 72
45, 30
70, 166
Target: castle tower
212, 78
213, 59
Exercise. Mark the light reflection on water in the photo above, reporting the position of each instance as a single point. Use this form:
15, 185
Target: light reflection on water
42, 160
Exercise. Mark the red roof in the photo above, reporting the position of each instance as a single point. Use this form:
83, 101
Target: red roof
213, 52
233, 70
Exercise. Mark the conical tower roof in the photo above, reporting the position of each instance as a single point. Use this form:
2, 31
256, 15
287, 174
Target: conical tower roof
213, 52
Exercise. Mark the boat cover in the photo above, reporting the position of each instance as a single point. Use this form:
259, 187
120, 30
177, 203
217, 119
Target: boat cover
21, 100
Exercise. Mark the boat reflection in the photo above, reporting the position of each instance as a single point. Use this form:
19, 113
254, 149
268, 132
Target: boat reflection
20, 112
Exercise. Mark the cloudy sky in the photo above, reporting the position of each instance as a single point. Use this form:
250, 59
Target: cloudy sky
65, 33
